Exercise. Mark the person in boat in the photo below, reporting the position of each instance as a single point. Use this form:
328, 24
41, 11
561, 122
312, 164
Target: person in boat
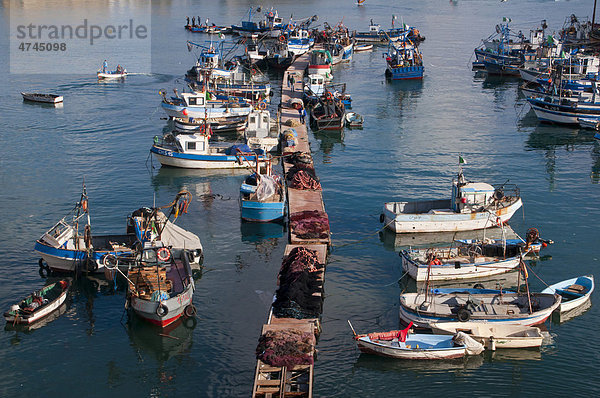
104, 66
188, 21
119, 69
193, 21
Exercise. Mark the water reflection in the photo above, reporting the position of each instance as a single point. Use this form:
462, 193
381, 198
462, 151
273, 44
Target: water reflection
161, 343
382, 364
256, 232
328, 139
558, 317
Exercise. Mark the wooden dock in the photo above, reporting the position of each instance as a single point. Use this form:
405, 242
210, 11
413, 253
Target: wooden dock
270, 381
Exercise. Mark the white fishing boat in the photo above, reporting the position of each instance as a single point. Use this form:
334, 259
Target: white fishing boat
65, 248
160, 285
201, 105
361, 48
473, 205
588, 123
219, 124
39, 304
462, 261
46, 98
494, 336
260, 132
353, 119
575, 292
119, 73
194, 151
477, 306
401, 344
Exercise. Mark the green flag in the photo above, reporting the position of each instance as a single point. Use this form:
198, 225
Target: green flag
461, 160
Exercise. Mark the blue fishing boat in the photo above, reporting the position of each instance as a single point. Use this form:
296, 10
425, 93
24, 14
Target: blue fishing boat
194, 151
404, 62
271, 26
575, 292
262, 197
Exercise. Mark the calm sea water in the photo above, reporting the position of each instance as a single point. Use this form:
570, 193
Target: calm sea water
408, 149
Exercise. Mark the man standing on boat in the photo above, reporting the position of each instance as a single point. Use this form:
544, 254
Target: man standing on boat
104, 66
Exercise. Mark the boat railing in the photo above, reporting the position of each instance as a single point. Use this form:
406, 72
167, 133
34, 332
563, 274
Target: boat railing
506, 192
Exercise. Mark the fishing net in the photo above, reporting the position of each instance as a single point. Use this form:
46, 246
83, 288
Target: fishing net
310, 224
288, 348
302, 176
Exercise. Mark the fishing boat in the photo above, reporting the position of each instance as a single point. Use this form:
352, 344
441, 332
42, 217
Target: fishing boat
477, 306
575, 292
353, 119
566, 109
377, 35
39, 304
195, 151
262, 197
202, 105
473, 205
404, 62
320, 63
160, 285
463, 261
119, 73
46, 98
64, 248
260, 132
586, 123
494, 336
216, 125
299, 42
364, 47
328, 113
271, 26
400, 344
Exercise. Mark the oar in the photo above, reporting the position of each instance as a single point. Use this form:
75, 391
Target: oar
353, 331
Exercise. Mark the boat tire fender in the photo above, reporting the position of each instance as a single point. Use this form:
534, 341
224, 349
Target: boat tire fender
381, 218
463, 315
162, 310
190, 311
478, 286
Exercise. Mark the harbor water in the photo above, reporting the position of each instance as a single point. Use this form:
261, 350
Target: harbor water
408, 149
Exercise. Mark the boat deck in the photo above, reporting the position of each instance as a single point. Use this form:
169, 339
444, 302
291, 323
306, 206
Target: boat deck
271, 381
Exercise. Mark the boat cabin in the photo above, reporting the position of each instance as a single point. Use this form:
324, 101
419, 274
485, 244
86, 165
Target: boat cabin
316, 84
59, 235
194, 99
470, 196
193, 144
260, 133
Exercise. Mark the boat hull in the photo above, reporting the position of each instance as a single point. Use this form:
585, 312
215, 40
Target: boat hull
445, 221
188, 161
262, 211
493, 336
406, 73
567, 304
450, 271
147, 309
103, 75
442, 348
43, 312
412, 310
184, 112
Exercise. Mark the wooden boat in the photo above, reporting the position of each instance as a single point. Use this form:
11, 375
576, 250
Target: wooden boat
160, 285
353, 119
260, 131
262, 197
220, 124
364, 47
320, 63
575, 292
473, 205
194, 151
197, 106
64, 248
39, 304
404, 62
401, 344
46, 98
588, 123
494, 336
477, 306
328, 113
465, 260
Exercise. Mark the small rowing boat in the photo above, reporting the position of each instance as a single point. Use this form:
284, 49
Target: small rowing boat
353, 119
39, 304
46, 98
365, 47
575, 292
494, 336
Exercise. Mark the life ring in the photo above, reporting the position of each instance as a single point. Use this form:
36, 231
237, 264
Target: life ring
163, 254
463, 315
262, 105
253, 71
271, 14
162, 310
109, 261
190, 311
282, 38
